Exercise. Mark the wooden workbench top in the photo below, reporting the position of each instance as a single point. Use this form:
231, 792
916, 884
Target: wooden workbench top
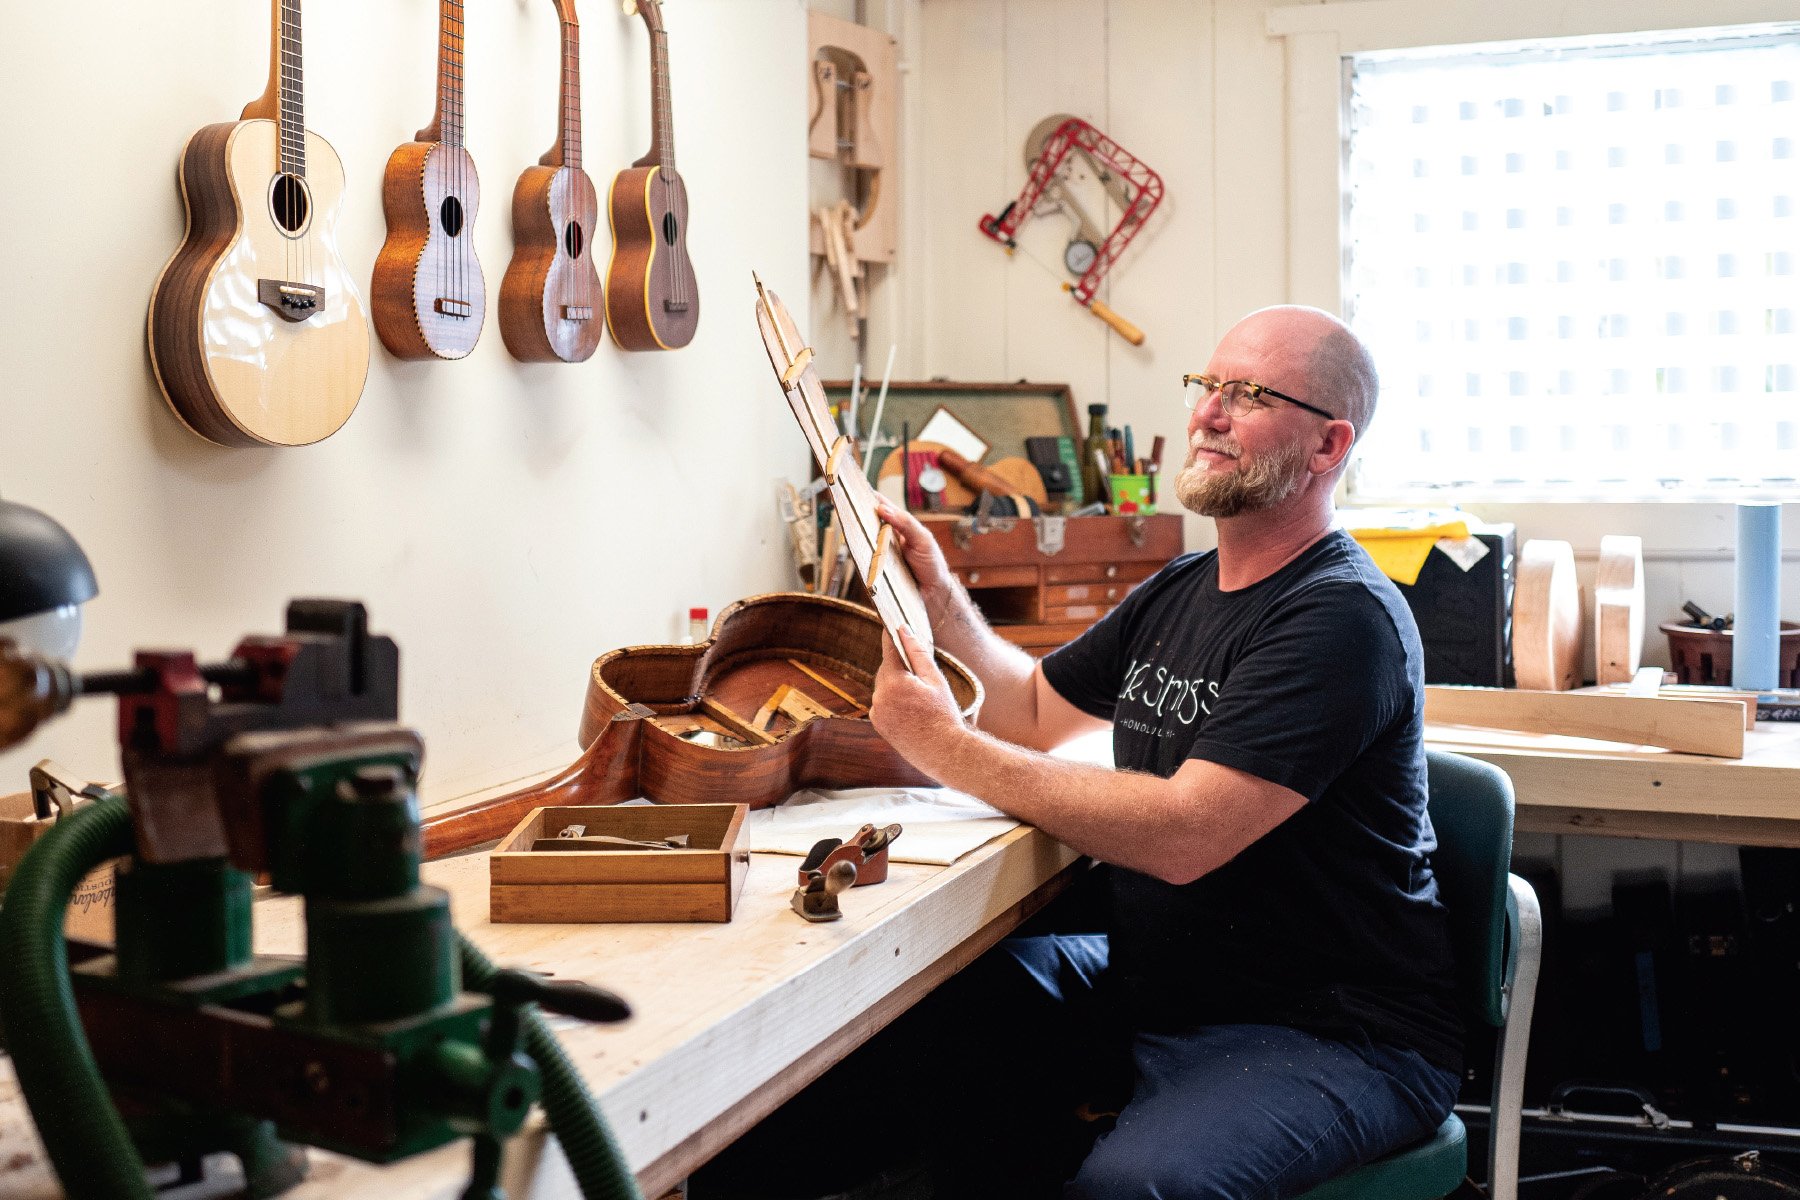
1575, 785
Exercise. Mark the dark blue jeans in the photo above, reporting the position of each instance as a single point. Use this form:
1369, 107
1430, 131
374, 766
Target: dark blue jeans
1025, 1037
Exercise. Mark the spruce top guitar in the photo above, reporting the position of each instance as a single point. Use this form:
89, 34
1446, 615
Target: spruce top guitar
257, 334
550, 297
428, 295
652, 301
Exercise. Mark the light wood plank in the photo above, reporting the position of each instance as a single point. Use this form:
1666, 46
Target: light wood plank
1714, 727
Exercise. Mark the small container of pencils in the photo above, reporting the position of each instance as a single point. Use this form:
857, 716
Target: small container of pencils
1131, 494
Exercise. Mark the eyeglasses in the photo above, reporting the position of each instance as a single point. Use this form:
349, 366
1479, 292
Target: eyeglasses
1239, 397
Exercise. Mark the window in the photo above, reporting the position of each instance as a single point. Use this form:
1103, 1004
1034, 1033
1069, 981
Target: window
1576, 269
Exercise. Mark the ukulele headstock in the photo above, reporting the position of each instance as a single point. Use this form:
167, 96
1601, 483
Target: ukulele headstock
650, 10
565, 11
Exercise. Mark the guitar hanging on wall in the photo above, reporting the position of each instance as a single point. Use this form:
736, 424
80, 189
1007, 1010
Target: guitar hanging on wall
652, 300
548, 297
257, 334
428, 295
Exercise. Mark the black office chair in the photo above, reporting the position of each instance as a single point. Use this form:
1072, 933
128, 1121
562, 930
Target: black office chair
1497, 934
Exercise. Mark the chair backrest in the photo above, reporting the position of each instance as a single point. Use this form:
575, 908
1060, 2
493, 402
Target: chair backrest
1471, 807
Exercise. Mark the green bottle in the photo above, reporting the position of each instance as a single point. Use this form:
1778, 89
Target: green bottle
1093, 482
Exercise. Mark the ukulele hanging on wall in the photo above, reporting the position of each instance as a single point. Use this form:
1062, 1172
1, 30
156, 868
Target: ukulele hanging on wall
652, 300
428, 295
550, 296
257, 335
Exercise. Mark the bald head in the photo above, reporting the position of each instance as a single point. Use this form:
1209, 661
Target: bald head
1319, 352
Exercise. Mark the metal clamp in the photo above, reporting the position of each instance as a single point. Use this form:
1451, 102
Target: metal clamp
1050, 534
1136, 530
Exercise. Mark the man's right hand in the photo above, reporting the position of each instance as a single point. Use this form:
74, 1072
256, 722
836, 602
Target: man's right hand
925, 558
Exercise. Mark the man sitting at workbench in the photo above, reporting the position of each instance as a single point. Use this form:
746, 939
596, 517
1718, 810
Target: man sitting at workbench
1272, 1002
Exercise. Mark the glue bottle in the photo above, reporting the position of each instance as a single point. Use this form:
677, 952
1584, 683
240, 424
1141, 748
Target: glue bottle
696, 626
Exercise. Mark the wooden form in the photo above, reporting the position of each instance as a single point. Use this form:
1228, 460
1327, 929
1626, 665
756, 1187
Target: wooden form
1546, 617
1713, 727
854, 119
1619, 609
700, 883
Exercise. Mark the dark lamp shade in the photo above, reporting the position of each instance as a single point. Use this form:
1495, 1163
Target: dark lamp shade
41, 567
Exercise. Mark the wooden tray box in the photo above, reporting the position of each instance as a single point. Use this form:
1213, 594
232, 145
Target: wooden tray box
701, 883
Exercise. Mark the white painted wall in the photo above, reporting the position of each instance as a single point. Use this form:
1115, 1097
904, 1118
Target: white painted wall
506, 523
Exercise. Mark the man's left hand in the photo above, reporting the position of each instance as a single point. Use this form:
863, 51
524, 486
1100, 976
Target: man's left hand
914, 711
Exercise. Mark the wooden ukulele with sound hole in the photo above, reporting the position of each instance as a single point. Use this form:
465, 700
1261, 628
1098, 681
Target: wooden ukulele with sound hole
257, 334
652, 300
551, 292
428, 295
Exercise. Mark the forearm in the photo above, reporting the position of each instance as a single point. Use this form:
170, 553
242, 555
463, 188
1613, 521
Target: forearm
1132, 820
1010, 708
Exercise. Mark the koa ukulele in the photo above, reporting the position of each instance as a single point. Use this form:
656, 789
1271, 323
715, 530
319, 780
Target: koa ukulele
428, 295
257, 334
549, 297
652, 302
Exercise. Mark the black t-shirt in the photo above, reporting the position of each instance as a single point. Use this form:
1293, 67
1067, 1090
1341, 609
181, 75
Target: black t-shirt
1311, 679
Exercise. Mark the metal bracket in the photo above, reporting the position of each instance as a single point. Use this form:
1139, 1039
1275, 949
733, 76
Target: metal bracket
1050, 531
1136, 530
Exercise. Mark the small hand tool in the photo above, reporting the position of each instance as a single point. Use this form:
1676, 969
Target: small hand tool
866, 850
603, 841
816, 897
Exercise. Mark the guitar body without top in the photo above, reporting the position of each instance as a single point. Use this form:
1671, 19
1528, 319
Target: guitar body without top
652, 297
258, 336
550, 297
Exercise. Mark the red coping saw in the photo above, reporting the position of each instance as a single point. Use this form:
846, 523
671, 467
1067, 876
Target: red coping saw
1136, 187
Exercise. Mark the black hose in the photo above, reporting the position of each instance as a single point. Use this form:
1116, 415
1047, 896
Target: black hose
87, 1141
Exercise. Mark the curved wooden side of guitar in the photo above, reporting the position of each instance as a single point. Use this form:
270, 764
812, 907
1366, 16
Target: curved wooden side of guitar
646, 272
234, 371
420, 260
177, 301
543, 281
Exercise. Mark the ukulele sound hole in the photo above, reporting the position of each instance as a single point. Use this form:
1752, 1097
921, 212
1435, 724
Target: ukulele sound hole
668, 224
451, 214
289, 203
572, 239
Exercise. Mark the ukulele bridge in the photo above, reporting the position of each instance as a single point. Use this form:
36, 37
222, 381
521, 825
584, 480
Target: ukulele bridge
577, 312
452, 308
291, 301
675, 306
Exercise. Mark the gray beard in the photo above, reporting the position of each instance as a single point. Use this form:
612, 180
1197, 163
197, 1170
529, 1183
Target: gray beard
1262, 485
